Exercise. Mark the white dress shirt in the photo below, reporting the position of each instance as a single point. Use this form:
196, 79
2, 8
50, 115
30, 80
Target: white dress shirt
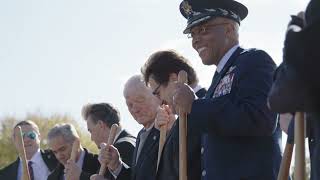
117, 134
197, 88
225, 58
40, 169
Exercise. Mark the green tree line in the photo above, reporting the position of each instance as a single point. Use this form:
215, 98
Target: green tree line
8, 152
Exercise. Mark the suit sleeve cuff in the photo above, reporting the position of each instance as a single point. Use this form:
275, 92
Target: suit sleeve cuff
116, 172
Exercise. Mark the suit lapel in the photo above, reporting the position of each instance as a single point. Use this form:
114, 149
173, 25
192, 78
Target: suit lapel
151, 140
122, 134
136, 149
49, 159
58, 173
171, 132
89, 161
176, 123
15, 168
217, 79
86, 161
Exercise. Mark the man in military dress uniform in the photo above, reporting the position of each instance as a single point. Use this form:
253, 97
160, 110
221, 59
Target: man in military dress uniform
240, 137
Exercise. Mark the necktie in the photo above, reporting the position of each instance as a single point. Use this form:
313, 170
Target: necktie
210, 90
142, 138
30, 170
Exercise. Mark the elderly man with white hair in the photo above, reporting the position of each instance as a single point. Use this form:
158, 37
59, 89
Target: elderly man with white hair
142, 105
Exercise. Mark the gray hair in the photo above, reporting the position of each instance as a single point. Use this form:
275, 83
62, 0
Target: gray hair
28, 123
235, 27
136, 83
66, 131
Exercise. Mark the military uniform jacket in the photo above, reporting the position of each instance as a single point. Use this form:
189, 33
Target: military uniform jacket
11, 171
169, 162
146, 165
239, 135
89, 167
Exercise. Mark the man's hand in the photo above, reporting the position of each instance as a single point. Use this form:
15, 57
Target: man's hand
183, 98
72, 171
164, 117
97, 177
110, 156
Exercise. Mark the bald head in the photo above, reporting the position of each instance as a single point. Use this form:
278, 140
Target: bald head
141, 103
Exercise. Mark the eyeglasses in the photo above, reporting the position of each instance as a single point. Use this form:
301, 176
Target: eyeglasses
30, 134
201, 30
156, 90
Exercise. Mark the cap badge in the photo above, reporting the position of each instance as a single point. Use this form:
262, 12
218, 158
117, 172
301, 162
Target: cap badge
186, 7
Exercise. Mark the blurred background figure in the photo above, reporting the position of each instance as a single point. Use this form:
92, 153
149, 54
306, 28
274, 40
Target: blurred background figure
40, 162
60, 140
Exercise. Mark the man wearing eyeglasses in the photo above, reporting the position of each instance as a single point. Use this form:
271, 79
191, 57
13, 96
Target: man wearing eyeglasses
40, 162
160, 73
240, 137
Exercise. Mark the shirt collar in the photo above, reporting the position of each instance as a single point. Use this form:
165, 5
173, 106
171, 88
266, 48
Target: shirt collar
226, 57
36, 157
81, 158
118, 134
197, 88
148, 129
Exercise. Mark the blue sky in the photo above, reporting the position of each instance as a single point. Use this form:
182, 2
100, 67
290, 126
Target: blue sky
56, 56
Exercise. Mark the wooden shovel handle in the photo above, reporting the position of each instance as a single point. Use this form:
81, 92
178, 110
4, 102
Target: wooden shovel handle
286, 162
299, 138
112, 135
75, 149
182, 78
22, 153
162, 140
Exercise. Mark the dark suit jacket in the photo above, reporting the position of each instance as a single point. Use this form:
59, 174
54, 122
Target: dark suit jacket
125, 143
297, 86
239, 133
169, 162
11, 171
146, 166
314, 144
90, 166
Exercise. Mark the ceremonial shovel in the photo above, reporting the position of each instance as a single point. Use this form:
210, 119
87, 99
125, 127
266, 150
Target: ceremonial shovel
22, 154
182, 78
112, 135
